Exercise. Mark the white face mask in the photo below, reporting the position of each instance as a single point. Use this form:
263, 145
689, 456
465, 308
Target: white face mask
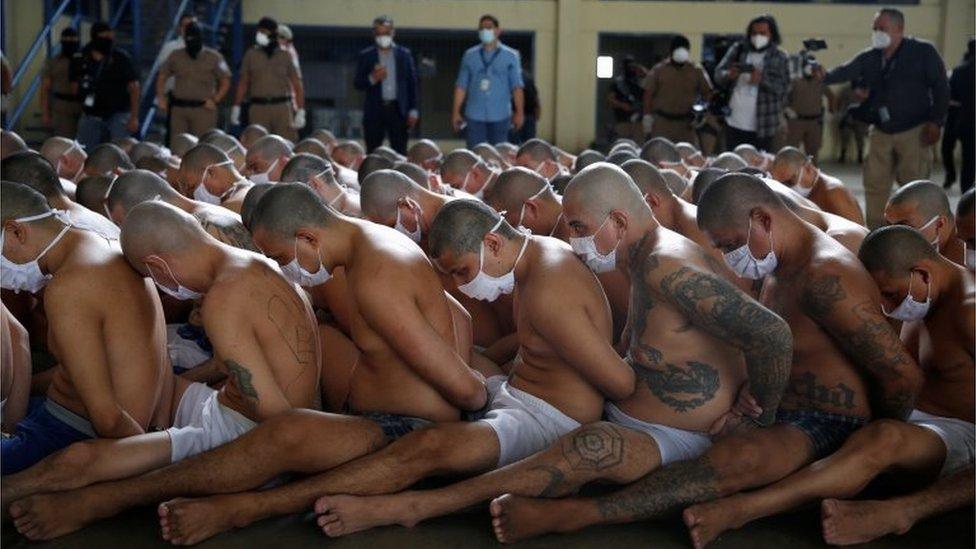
935, 241
585, 247
680, 55
910, 310
487, 36
799, 188
262, 39
384, 41
970, 257
81, 165
181, 292
202, 194
108, 191
464, 184
266, 176
533, 197
745, 265
293, 271
27, 276
759, 41
880, 40
415, 234
486, 287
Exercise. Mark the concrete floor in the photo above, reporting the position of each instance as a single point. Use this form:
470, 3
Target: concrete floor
800, 530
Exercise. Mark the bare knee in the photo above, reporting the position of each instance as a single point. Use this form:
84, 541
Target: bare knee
75, 459
425, 448
600, 448
877, 443
285, 432
736, 466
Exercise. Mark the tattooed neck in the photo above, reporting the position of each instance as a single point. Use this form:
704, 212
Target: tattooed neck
636, 253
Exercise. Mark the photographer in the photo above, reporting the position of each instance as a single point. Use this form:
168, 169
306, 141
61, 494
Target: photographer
906, 100
625, 100
760, 73
804, 111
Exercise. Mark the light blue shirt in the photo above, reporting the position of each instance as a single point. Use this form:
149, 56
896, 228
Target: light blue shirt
489, 77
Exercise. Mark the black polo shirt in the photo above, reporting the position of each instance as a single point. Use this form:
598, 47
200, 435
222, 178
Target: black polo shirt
105, 81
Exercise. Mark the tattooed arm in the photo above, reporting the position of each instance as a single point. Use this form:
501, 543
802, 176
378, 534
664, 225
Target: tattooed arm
713, 304
848, 307
229, 231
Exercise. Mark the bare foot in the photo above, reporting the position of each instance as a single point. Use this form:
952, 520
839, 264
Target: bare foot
852, 522
343, 515
47, 516
188, 521
708, 521
517, 518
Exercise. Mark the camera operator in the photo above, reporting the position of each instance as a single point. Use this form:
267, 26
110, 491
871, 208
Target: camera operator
804, 111
759, 72
906, 100
625, 100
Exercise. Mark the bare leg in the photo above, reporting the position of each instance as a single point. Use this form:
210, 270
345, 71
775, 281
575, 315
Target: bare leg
752, 458
276, 446
600, 451
445, 448
850, 522
867, 453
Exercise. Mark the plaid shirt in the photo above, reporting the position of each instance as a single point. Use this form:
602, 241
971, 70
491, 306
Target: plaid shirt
773, 88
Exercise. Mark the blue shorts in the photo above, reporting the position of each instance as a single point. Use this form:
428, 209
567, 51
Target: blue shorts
40, 434
394, 425
826, 431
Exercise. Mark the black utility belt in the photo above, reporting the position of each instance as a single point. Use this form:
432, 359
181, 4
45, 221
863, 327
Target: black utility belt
270, 100
670, 116
67, 97
187, 103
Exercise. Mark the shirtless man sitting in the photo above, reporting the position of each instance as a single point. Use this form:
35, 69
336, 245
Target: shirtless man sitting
208, 175
230, 145
923, 205
402, 370
33, 170
110, 359
540, 157
691, 348
263, 332
937, 301
319, 175
841, 344
796, 170
465, 171
843, 230
66, 155
107, 159
138, 186
266, 158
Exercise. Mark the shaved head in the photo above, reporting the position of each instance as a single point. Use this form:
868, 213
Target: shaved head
182, 142
729, 201
729, 161
423, 151
33, 170
787, 163
537, 150
11, 143
925, 197
685, 149
252, 133
389, 154
603, 187
703, 180
414, 172
749, 153
157, 228
303, 167
54, 147
381, 191
125, 143
647, 177
587, 157
513, 187
325, 136
659, 150
202, 156
895, 250
106, 158
270, 147
287, 207
312, 146
20, 201
620, 156
227, 143
675, 180
461, 225
135, 187
91, 192
966, 203
373, 163
251, 200
147, 149
458, 163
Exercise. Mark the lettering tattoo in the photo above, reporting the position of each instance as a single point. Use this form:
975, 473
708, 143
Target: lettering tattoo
241, 378
805, 387
663, 492
594, 448
867, 339
723, 311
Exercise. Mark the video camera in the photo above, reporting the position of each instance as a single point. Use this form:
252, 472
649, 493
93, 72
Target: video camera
805, 61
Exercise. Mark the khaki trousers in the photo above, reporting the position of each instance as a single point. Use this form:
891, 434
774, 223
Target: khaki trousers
808, 133
892, 157
64, 117
275, 117
630, 130
675, 130
192, 120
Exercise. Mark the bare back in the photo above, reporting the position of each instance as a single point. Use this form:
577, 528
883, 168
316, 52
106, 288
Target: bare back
234, 199
224, 225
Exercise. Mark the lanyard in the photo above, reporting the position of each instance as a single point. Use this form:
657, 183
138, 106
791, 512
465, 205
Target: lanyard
487, 64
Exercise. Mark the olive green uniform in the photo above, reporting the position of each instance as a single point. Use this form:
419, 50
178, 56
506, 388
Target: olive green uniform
65, 106
674, 89
269, 89
806, 101
195, 81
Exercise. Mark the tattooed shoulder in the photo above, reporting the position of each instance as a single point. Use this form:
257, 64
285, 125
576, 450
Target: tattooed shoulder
821, 293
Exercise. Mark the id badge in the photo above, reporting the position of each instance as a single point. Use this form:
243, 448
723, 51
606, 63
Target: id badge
485, 84
90, 100
884, 115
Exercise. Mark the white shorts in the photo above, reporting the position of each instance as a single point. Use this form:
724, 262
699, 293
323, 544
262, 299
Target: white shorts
674, 444
957, 435
203, 423
184, 354
524, 424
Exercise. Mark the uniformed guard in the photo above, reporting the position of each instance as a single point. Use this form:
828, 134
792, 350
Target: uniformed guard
805, 112
60, 106
201, 80
670, 91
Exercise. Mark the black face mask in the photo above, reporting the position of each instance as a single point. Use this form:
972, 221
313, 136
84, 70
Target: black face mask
69, 47
193, 45
102, 45
272, 44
